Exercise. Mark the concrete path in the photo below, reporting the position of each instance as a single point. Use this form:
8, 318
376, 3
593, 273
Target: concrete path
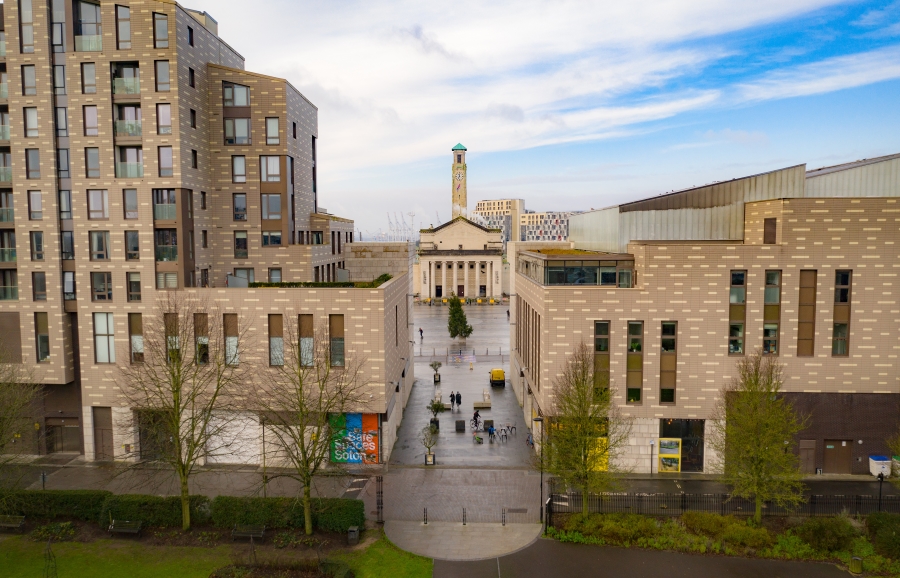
551, 559
453, 541
490, 330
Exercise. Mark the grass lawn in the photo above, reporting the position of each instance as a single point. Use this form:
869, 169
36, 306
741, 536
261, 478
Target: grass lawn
384, 559
22, 558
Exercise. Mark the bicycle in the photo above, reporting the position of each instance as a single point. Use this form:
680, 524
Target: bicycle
529, 441
475, 424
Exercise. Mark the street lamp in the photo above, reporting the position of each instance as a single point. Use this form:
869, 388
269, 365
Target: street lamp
880, 483
539, 420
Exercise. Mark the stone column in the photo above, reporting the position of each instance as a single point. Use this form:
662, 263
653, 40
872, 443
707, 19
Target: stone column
430, 279
490, 278
466, 279
443, 279
455, 271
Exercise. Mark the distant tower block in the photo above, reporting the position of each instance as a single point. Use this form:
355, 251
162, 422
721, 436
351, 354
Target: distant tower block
458, 178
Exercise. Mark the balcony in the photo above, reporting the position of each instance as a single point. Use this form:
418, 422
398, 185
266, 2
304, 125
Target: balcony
165, 212
7, 255
166, 253
126, 85
129, 170
2, 48
9, 293
4, 132
4, 90
123, 128
7, 215
89, 43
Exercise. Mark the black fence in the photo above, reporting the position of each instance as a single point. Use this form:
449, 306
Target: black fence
677, 504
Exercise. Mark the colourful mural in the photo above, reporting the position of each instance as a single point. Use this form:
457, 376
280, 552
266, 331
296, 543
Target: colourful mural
354, 438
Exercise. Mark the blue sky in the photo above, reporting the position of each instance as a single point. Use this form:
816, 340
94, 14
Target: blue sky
573, 104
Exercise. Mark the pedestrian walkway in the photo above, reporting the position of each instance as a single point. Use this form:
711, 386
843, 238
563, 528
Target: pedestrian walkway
453, 541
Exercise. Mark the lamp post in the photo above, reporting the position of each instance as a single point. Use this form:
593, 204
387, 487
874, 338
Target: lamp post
539, 420
880, 483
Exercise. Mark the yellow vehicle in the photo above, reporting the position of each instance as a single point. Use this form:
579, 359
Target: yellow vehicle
498, 377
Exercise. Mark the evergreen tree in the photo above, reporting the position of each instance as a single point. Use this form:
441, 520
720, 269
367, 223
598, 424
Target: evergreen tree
458, 324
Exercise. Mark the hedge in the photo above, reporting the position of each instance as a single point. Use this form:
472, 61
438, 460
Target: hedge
83, 505
330, 514
375, 283
159, 511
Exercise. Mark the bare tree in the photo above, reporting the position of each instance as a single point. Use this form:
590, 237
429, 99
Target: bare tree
19, 397
753, 431
185, 385
586, 434
429, 437
306, 395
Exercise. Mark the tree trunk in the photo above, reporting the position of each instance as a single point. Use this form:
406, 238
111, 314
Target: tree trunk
584, 504
757, 516
185, 505
307, 510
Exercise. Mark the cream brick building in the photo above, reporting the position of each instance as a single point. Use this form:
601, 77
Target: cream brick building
671, 291
140, 157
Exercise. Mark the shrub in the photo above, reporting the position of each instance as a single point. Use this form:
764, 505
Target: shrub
159, 511
707, 524
744, 535
884, 531
615, 528
827, 534
50, 504
330, 514
58, 532
338, 514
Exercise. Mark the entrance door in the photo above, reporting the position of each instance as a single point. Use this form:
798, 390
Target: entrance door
461, 290
808, 456
482, 290
438, 291
103, 440
838, 456
63, 435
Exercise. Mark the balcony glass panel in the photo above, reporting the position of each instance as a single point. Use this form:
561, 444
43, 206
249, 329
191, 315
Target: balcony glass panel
164, 212
2, 48
4, 90
9, 293
4, 132
7, 215
129, 170
124, 128
88, 43
7, 255
166, 253
126, 85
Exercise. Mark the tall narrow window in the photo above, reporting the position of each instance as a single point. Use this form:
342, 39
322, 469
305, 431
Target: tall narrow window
26, 26
33, 163
668, 361
132, 246
31, 122
770, 230
806, 322
737, 312
239, 200
232, 352
294, 124
160, 30
276, 340
601, 356
68, 285
240, 245
42, 335
238, 169
162, 76
62, 121
237, 131
336, 335
190, 36
67, 245
59, 79
35, 206
272, 131
29, 80
635, 363
123, 27
37, 245
130, 198
235, 94
98, 204
166, 162
99, 245
191, 78
88, 78
271, 206
194, 162
92, 162
772, 312
91, 125
204, 240
202, 200
101, 286
136, 337
39, 286
193, 118
201, 336
307, 340
9, 280
134, 287
88, 27
840, 338
269, 169
104, 338
63, 168
163, 119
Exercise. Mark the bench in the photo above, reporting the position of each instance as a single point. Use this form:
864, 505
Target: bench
437, 395
248, 531
13, 522
486, 401
125, 527
460, 425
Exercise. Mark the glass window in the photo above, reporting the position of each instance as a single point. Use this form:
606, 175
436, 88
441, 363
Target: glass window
608, 276
9, 283
167, 280
39, 286
269, 169
98, 204
235, 94
194, 161
104, 338
62, 121
204, 239
190, 36
160, 31
271, 206
162, 76
136, 336
37, 245
123, 27
738, 287
271, 238
31, 122
101, 286
635, 336
132, 246
237, 131
770, 339
203, 200
134, 287
240, 245
131, 203
88, 78
773, 288
67, 245
26, 26
59, 79
29, 83
275, 275
35, 210
99, 245
842, 286
240, 206
246, 273
669, 336
238, 169
193, 118
92, 162
65, 205
601, 336
42, 335
625, 276
191, 79
91, 127
839, 340
736, 338
88, 27
165, 162
272, 131
62, 163
33, 163
163, 119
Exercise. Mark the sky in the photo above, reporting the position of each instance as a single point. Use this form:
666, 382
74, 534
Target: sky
571, 105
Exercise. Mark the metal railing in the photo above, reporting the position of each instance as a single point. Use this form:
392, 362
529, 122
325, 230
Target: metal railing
460, 355
9, 293
165, 212
85, 43
4, 132
166, 253
7, 255
129, 170
124, 128
7, 215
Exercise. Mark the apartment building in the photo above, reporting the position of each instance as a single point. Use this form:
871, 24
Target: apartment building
503, 214
547, 226
670, 292
140, 157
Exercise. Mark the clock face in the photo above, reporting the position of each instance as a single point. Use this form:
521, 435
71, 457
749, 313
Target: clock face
459, 175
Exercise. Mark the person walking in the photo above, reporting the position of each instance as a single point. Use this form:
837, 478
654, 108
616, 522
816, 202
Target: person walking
422, 333
452, 399
458, 401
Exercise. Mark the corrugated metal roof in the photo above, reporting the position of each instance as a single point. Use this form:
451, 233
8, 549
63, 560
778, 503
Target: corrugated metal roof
845, 166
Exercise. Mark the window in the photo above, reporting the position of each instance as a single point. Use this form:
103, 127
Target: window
26, 27
132, 246
294, 124
190, 36
239, 200
98, 204
601, 356
271, 207
62, 121
35, 212
635, 362
39, 286
166, 241
770, 339
62, 163
735, 338
247, 273
31, 122
738, 287
737, 312
193, 159
163, 119
806, 322
59, 79
88, 78
134, 286
271, 238
193, 118
204, 277
232, 354
69, 285
9, 283
840, 339
160, 30
240, 244
91, 127
275, 275
773, 288
167, 280
104, 338
99, 245
201, 335
272, 131
307, 340
203, 200
123, 27
130, 198
276, 340
136, 337
88, 27
67, 245
42, 335
842, 286
191, 78
235, 94
336, 334
668, 363
101, 286
770, 229
29, 86
37, 245
162, 76
269, 169
33, 163
238, 169
237, 131
92, 162
204, 240
166, 162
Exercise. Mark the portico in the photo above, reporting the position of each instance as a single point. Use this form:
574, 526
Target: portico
467, 274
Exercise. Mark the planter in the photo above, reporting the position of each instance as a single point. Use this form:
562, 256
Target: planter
437, 377
429, 459
435, 423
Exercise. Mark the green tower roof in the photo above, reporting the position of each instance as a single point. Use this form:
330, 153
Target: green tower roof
459, 147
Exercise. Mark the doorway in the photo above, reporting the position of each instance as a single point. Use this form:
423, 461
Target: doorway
691, 432
838, 456
460, 290
103, 440
63, 435
438, 291
808, 456
482, 290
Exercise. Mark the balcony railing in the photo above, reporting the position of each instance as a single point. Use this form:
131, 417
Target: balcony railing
2, 48
7, 215
9, 293
166, 253
4, 132
165, 212
4, 90
5, 174
7, 255
126, 85
123, 128
88, 43
129, 170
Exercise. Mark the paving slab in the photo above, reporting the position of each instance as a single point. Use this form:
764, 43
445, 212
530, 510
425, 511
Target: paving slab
453, 541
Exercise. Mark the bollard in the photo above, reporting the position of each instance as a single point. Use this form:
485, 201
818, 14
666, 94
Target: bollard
471, 366
425, 515
464, 516
503, 517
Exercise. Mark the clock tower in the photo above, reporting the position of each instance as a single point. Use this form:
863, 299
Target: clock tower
458, 178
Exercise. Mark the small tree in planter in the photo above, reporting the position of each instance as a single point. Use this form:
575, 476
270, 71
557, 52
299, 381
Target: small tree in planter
458, 325
429, 439
436, 365
435, 407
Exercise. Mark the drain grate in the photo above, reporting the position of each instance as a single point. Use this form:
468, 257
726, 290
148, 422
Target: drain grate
517, 510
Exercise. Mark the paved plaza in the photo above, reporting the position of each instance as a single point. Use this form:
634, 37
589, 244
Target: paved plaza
490, 330
450, 541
